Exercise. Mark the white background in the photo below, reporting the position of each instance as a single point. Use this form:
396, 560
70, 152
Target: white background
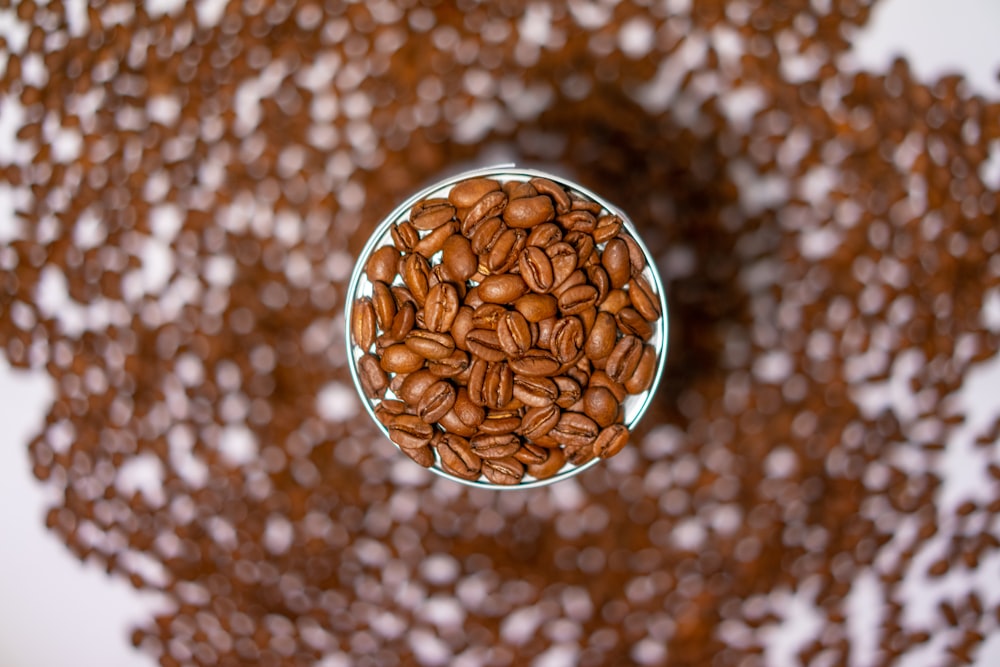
56, 611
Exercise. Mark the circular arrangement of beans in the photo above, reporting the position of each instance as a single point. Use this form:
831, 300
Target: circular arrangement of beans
507, 323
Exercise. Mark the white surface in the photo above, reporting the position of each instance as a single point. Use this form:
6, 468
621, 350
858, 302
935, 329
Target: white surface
46, 593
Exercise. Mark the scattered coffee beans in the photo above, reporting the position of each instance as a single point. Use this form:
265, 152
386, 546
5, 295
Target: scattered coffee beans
512, 350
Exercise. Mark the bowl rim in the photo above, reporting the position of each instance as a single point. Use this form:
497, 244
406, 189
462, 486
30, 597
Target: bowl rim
524, 173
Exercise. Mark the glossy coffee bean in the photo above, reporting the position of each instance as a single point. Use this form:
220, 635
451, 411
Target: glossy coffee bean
457, 456
373, 379
410, 432
363, 327
537, 307
441, 307
503, 289
528, 212
600, 405
431, 214
536, 270
437, 400
557, 193
611, 441
497, 446
466, 193
506, 471
615, 261
458, 259
382, 264
513, 333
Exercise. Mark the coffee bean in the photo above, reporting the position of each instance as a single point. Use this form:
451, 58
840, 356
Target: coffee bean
422, 455
544, 235
477, 380
507, 470
536, 270
384, 305
452, 424
382, 264
537, 307
431, 213
432, 243
583, 246
500, 422
578, 221
602, 337
505, 252
404, 236
580, 454
468, 411
644, 373
504, 288
415, 385
416, 276
441, 307
537, 422
631, 322
516, 190
513, 334
624, 359
611, 441
498, 385
644, 300
458, 259
489, 446
535, 363
608, 227
363, 327
400, 359
575, 429
567, 339
528, 212
486, 236
430, 345
437, 400
549, 467
535, 391
600, 378
451, 366
410, 432
403, 322
558, 195
490, 205
485, 344
564, 261
373, 379
615, 261
598, 278
577, 299
387, 409
457, 456
636, 258
531, 454
466, 193
600, 405
615, 301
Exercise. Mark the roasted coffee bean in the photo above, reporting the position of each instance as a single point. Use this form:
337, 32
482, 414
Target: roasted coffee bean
558, 195
544, 235
410, 432
535, 363
583, 246
430, 345
457, 457
382, 264
452, 424
416, 276
578, 221
564, 261
600, 405
503, 289
401, 295
404, 236
457, 258
615, 301
602, 337
487, 316
576, 279
545, 329
498, 385
461, 326
414, 385
581, 371
615, 260
580, 454
631, 322
432, 243
569, 391
537, 307
536, 270
441, 307
466, 193
468, 411
528, 212
535, 391
495, 446
608, 227
580, 203
611, 441
636, 258
486, 236
513, 334
516, 190
437, 400
575, 429
598, 277
577, 299
431, 213
600, 378
537, 422
387, 409
363, 327
400, 359
477, 380
422, 455
567, 339
504, 254
531, 454
644, 299
624, 359
506, 471
549, 467
485, 344
384, 304
642, 378
373, 379
491, 205
403, 322
449, 367
500, 422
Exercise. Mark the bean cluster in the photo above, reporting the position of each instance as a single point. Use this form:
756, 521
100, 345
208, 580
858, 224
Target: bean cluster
509, 322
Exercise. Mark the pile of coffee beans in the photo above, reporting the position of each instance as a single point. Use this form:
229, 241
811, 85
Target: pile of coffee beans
509, 321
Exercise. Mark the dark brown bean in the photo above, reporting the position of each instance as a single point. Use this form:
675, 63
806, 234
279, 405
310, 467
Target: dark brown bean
578, 221
583, 245
598, 277
631, 322
642, 378
451, 366
414, 385
422, 455
564, 261
400, 359
544, 235
487, 316
600, 405
577, 299
486, 236
430, 345
466, 193
537, 307
580, 454
539, 421
495, 446
485, 344
384, 304
615, 301
477, 380
569, 391
601, 379
457, 457
602, 337
567, 339
403, 322
458, 259
558, 195
513, 334
644, 299
531, 454
498, 385
466, 410
416, 276
579, 202
437, 400
549, 467
536, 270
506, 471
431, 213
432, 243
624, 359
528, 212
404, 236
441, 307
636, 258
516, 190
410, 432
382, 264
491, 205
505, 252
608, 227
363, 326
387, 409
504, 288
373, 379
461, 326
575, 429
500, 422
535, 363
615, 260
452, 424
535, 391
611, 441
